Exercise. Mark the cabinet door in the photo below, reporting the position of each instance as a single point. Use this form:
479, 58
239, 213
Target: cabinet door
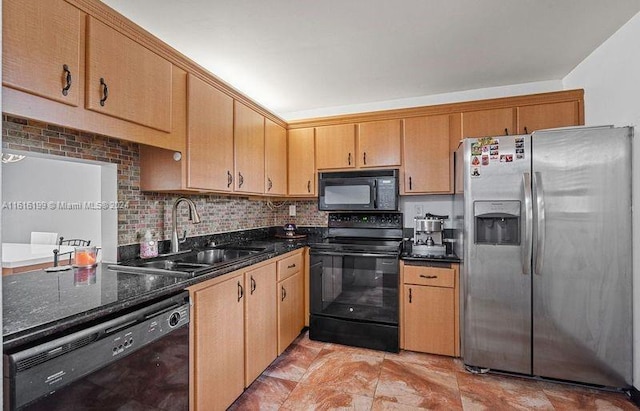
39, 39
541, 116
249, 149
209, 137
301, 163
427, 157
483, 123
379, 143
335, 146
290, 310
261, 326
125, 79
429, 322
218, 344
275, 158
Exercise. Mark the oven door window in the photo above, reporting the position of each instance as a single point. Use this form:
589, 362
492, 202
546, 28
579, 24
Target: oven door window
359, 288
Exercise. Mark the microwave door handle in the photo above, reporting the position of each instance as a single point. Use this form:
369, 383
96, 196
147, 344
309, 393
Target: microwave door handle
375, 194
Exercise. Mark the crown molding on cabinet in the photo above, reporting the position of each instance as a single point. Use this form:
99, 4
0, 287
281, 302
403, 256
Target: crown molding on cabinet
450, 108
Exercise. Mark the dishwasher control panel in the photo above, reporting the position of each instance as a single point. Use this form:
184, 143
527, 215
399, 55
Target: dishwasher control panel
149, 330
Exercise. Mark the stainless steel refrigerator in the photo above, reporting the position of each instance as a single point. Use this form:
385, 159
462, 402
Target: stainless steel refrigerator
546, 239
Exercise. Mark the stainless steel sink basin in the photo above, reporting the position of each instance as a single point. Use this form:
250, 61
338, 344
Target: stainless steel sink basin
190, 264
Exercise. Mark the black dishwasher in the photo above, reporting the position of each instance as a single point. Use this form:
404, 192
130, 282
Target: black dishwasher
136, 361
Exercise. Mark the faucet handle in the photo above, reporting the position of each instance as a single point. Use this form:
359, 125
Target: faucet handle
184, 237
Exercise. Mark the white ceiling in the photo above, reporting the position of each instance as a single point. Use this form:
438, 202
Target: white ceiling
299, 55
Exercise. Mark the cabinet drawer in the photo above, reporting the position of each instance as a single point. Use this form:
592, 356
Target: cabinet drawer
289, 266
435, 276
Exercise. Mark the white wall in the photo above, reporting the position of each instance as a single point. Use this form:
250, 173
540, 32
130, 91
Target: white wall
610, 77
411, 206
50, 183
36, 190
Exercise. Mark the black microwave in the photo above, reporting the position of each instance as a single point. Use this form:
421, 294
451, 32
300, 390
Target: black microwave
370, 190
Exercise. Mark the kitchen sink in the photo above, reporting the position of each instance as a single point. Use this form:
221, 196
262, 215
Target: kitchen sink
192, 263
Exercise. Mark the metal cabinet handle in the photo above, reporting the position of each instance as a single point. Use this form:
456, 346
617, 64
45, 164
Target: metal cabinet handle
410, 296
309, 186
291, 266
269, 184
410, 183
229, 179
349, 159
240, 179
105, 91
364, 158
525, 130
240, 291
65, 89
283, 293
428, 277
506, 131
253, 285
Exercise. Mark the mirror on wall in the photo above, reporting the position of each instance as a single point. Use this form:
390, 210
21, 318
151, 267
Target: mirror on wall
45, 197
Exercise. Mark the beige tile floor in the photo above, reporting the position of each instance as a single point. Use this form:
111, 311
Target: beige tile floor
311, 375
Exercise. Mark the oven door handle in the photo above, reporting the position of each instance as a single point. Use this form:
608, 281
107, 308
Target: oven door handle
352, 254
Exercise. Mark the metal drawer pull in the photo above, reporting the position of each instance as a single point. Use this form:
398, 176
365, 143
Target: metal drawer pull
291, 266
67, 86
105, 91
428, 277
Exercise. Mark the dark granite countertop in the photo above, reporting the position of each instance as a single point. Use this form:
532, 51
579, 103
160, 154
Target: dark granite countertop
451, 258
38, 303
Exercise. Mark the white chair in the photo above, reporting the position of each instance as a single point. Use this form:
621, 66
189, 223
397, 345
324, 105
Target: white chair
39, 237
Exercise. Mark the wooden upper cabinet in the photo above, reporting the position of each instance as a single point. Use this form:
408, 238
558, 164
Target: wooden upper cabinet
484, 123
379, 143
275, 159
335, 146
209, 137
427, 155
248, 150
41, 48
551, 115
300, 163
126, 80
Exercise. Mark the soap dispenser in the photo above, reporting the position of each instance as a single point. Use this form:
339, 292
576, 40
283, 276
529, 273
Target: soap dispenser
148, 247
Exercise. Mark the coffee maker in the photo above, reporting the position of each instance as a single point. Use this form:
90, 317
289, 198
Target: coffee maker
427, 236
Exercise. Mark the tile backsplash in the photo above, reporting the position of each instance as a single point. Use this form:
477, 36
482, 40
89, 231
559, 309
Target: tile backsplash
153, 210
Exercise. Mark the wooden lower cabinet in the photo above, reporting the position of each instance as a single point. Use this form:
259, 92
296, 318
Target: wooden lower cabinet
217, 338
290, 310
240, 323
430, 309
260, 321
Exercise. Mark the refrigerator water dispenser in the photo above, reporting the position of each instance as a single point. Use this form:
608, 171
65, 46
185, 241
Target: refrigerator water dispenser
497, 222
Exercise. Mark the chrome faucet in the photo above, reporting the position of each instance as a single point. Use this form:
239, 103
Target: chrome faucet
193, 216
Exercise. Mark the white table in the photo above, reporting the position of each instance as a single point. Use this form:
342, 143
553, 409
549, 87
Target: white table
20, 257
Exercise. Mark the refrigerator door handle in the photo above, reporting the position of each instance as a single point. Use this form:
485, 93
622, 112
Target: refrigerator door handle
538, 250
528, 223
